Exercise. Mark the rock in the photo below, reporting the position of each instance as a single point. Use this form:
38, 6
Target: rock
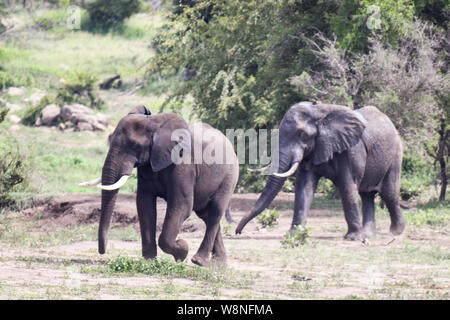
84, 126
13, 91
62, 126
72, 112
83, 118
69, 124
12, 107
13, 118
49, 116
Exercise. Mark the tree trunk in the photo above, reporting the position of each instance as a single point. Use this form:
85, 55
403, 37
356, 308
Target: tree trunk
441, 158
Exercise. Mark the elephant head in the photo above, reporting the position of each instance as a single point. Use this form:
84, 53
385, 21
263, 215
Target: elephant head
308, 133
140, 139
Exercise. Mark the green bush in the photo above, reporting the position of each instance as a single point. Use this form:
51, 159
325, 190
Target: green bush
3, 112
32, 113
296, 238
327, 187
15, 170
106, 14
410, 189
152, 267
268, 218
79, 87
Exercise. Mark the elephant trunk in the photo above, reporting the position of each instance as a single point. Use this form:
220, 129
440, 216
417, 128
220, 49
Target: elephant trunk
272, 188
288, 160
112, 170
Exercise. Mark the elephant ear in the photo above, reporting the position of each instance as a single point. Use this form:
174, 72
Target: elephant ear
140, 110
339, 128
163, 144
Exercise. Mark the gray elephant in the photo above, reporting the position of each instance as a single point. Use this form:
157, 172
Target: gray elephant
359, 150
146, 141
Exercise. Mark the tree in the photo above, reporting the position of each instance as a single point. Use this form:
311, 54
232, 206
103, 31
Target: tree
254, 59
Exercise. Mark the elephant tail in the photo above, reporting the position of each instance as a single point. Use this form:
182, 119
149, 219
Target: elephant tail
228, 216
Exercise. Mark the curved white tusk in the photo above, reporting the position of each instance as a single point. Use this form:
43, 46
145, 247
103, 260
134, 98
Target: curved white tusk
289, 172
90, 183
116, 185
260, 169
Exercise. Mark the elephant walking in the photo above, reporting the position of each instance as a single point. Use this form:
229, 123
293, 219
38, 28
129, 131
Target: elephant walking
147, 142
359, 150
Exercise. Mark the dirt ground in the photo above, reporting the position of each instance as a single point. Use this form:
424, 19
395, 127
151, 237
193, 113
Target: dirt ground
415, 265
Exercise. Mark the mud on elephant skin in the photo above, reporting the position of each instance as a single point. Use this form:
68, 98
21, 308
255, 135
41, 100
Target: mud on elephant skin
359, 150
148, 142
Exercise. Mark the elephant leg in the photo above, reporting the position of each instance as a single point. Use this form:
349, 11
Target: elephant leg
349, 195
305, 186
216, 209
390, 194
368, 210
146, 208
178, 210
218, 252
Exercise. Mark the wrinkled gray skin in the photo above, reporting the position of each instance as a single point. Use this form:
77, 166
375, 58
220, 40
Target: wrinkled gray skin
360, 151
144, 141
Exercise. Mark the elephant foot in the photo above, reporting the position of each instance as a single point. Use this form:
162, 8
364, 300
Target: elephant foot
181, 251
353, 236
397, 227
294, 226
149, 254
219, 260
199, 260
369, 231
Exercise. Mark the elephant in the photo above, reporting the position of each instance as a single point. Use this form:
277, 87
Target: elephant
359, 150
147, 142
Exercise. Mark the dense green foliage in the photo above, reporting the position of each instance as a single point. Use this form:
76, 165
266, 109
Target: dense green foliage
297, 237
15, 169
244, 63
3, 111
80, 87
106, 14
268, 218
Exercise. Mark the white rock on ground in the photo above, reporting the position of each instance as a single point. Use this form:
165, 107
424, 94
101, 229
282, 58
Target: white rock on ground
13, 118
83, 118
14, 91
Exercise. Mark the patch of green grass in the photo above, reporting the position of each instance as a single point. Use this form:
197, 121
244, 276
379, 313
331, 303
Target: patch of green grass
296, 238
436, 217
165, 267
268, 219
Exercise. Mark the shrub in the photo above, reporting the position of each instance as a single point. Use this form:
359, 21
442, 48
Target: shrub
32, 113
327, 187
268, 218
409, 189
152, 267
106, 14
296, 238
15, 170
3, 112
79, 87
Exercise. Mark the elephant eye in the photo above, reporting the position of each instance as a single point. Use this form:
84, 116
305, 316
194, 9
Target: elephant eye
302, 134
